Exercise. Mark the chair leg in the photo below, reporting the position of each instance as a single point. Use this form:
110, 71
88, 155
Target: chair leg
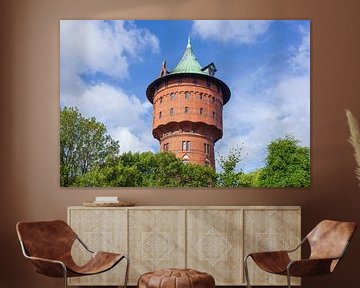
65, 275
246, 270
288, 278
127, 271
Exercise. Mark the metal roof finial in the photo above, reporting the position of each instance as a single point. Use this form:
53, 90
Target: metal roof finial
189, 42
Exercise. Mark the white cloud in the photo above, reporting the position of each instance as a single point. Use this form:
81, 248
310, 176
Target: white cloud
300, 59
241, 32
281, 108
122, 114
90, 47
129, 141
93, 46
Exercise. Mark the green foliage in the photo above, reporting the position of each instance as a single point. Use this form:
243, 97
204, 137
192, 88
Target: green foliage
89, 158
148, 170
287, 164
84, 145
250, 179
229, 177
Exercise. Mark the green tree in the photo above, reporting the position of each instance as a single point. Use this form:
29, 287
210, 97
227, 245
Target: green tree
287, 164
84, 145
229, 177
148, 170
250, 179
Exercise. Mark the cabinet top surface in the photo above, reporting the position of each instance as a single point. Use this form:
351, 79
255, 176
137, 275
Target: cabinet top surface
192, 207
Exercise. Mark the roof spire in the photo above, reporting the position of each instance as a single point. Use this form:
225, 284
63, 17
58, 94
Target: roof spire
189, 42
188, 62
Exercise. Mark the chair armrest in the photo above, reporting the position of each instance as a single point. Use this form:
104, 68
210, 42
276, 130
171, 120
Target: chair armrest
48, 267
309, 267
84, 245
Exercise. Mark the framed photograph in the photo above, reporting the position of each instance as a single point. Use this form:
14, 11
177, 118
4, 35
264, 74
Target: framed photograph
180, 103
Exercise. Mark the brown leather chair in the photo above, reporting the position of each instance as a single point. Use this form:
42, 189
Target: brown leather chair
48, 245
328, 242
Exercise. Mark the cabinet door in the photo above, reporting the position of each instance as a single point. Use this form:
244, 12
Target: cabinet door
270, 230
214, 244
156, 240
101, 230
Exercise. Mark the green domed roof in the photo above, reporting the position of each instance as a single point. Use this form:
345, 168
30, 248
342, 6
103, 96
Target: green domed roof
188, 62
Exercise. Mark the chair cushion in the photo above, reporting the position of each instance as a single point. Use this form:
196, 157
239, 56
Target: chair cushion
176, 278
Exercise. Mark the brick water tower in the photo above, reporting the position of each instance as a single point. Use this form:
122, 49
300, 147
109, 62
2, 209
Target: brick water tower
188, 108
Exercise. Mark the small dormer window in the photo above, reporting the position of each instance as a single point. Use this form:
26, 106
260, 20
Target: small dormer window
211, 71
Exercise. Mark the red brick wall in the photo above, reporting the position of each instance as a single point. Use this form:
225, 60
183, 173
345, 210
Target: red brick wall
196, 118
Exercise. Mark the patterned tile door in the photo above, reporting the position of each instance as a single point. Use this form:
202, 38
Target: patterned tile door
270, 230
157, 240
101, 230
214, 244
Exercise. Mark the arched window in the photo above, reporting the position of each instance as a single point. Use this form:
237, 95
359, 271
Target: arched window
185, 159
160, 114
172, 96
171, 111
187, 95
201, 111
186, 110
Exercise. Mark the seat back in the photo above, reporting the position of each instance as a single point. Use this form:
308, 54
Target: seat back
329, 239
46, 239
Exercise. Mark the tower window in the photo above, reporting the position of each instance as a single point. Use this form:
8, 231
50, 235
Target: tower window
171, 111
206, 148
185, 159
201, 96
172, 96
186, 110
161, 100
213, 114
186, 145
187, 95
201, 111
160, 114
166, 147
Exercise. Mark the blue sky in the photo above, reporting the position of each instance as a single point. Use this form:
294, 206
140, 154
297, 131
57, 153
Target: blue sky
106, 66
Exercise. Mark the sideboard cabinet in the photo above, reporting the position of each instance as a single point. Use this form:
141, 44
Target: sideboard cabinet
212, 239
